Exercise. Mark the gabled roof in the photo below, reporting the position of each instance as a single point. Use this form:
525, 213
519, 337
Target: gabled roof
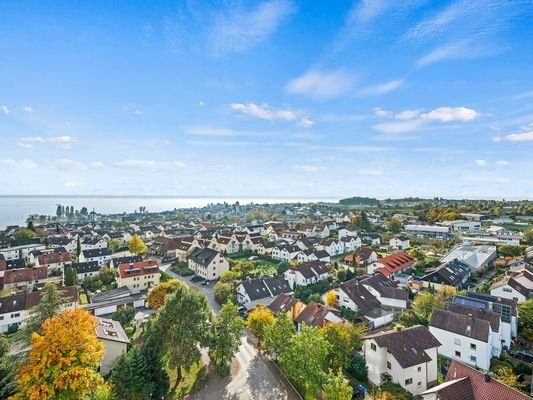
463, 325
260, 288
108, 329
490, 316
203, 256
360, 295
54, 258
86, 267
25, 275
315, 315
452, 272
395, 263
311, 269
92, 253
407, 345
385, 287
282, 303
138, 268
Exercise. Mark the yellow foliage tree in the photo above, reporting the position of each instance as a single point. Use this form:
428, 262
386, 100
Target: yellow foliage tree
258, 320
63, 361
507, 376
331, 299
136, 245
156, 297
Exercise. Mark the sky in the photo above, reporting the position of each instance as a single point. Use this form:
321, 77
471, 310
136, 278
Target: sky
269, 98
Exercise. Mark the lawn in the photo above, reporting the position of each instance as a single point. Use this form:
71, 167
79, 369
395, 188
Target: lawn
264, 265
192, 381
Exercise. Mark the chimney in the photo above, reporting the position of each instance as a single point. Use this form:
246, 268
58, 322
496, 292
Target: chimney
487, 378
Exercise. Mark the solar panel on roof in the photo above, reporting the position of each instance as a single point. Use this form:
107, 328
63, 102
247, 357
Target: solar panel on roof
471, 302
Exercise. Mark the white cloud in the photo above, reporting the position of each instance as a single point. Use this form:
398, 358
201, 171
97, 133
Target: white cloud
398, 126
380, 112
481, 163
29, 141
63, 142
407, 114
236, 30
321, 85
503, 163
132, 108
220, 167
97, 165
497, 139
447, 114
199, 130
150, 165
67, 164
451, 50
4, 109
27, 109
25, 163
306, 123
370, 172
264, 111
367, 10
382, 88
201, 104
307, 168
138, 112
520, 137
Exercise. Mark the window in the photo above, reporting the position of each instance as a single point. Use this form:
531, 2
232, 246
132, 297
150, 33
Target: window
419, 369
373, 346
457, 341
419, 383
388, 365
473, 346
473, 359
408, 381
508, 290
457, 354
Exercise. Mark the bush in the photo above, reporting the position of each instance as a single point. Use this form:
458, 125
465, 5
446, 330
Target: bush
522, 368
350, 315
397, 392
13, 328
304, 292
358, 368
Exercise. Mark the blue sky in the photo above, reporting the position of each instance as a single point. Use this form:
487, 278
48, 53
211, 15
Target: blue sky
270, 98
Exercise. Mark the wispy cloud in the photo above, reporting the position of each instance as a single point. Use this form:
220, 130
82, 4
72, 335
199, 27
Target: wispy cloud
29, 142
264, 111
526, 136
63, 142
150, 165
5, 109
481, 163
16, 164
27, 109
502, 163
321, 85
306, 123
67, 164
307, 168
382, 88
200, 130
236, 30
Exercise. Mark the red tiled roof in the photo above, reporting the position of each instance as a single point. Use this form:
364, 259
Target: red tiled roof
54, 258
395, 263
138, 268
25, 274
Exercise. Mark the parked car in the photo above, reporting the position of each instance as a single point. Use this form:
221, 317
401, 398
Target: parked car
522, 355
196, 278
205, 283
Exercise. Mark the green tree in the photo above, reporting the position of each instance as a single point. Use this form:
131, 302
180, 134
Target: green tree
226, 337
113, 245
8, 365
259, 319
224, 292
528, 237
278, 335
24, 234
106, 275
344, 340
124, 315
394, 225
50, 305
92, 284
185, 320
525, 319
129, 376
305, 359
358, 368
408, 318
425, 303
336, 387
70, 276
30, 226
136, 245
78, 249
157, 381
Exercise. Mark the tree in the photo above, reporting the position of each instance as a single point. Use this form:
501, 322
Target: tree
113, 245
226, 337
336, 387
106, 275
525, 319
30, 226
59, 211
508, 377
92, 283
258, 320
128, 377
48, 307
409, 318
341, 275
224, 292
278, 335
343, 340
157, 381
305, 359
528, 237
184, 322
136, 245
424, 305
156, 297
331, 298
63, 361
24, 234
358, 368
394, 225
70, 276
8, 385
78, 249
124, 315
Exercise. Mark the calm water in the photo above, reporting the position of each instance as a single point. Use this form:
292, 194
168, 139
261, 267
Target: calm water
15, 209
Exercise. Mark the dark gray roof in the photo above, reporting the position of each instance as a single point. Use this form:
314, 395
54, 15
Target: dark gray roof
91, 253
360, 295
490, 316
311, 269
86, 267
13, 303
203, 256
386, 287
451, 273
255, 288
277, 285
463, 325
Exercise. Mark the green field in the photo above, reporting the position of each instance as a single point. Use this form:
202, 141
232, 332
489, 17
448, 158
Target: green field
264, 265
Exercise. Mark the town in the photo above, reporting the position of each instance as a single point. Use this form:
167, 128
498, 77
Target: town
364, 298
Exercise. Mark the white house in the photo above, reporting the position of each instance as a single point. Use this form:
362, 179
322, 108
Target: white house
477, 257
20, 252
115, 342
306, 273
350, 243
90, 243
85, 269
251, 292
138, 276
101, 256
208, 263
400, 243
407, 357
517, 285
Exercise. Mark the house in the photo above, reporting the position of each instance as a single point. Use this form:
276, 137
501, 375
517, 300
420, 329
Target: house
407, 357
362, 256
374, 239
251, 292
428, 231
101, 256
331, 246
164, 246
20, 252
317, 315
494, 235
400, 243
477, 257
85, 269
285, 252
69, 244
208, 263
29, 278
141, 275
343, 232
54, 261
306, 273
116, 261
466, 383
115, 342
465, 226
468, 335
285, 303
517, 285
452, 273
108, 302
93, 243
391, 265
16, 309
350, 243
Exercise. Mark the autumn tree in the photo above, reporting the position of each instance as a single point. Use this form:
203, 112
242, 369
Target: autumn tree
106, 275
113, 245
305, 359
344, 340
184, 322
63, 361
331, 298
424, 304
409, 318
48, 307
508, 377
394, 225
336, 387
226, 337
8, 384
525, 319
259, 319
224, 292
136, 245
278, 335
156, 297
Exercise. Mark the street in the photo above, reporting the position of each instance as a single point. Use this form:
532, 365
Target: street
253, 377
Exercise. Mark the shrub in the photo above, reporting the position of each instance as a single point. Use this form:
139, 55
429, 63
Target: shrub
358, 368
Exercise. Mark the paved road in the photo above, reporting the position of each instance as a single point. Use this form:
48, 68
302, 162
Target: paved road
253, 377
